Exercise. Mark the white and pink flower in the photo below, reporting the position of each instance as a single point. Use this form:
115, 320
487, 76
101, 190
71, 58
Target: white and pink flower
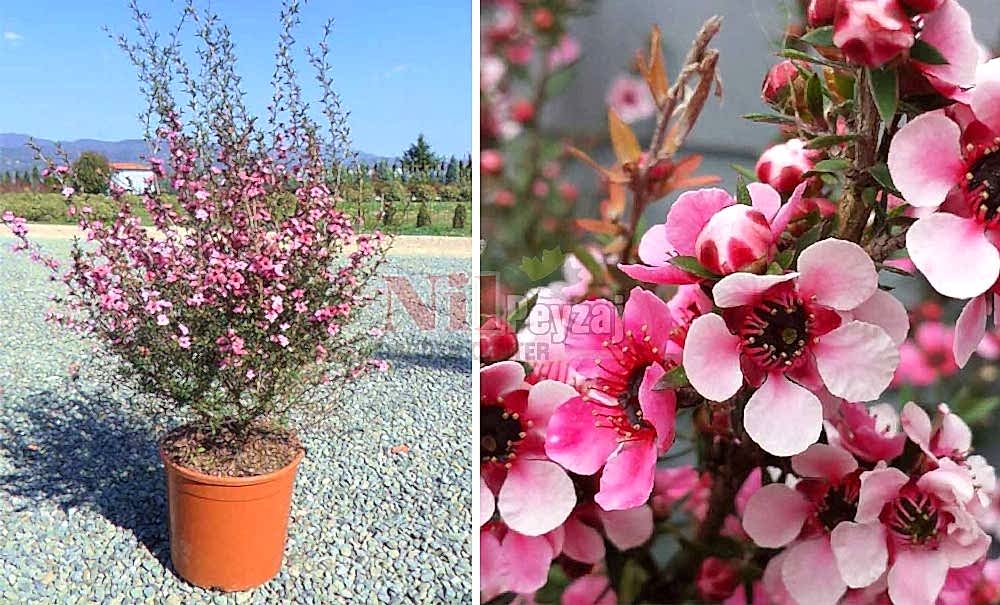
782, 166
825, 326
630, 98
533, 494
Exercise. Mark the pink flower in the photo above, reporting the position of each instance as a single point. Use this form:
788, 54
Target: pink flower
783, 165
534, 495
630, 98
871, 32
948, 27
820, 522
956, 246
725, 236
801, 326
513, 562
184, 342
161, 320
566, 52
717, 579
928, 357
68, 191
620, 424
680, 484
497, 340
871, 434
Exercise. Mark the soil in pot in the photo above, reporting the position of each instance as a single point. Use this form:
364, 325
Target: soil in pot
229, 495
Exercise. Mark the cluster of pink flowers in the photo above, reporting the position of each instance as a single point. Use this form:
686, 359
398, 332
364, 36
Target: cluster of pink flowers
223, 302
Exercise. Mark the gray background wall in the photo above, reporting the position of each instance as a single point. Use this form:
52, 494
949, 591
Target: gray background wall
750, 36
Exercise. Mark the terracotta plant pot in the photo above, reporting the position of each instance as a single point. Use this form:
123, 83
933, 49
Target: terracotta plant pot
228, 532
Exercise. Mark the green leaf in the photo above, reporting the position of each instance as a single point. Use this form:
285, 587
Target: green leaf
743, 192
814, 96
885, 89
881, 174
674, 379
829, 140
692, 266
521, 309
844, 85
927, 53
977, 410
785, 258
747, 173
831, 165
769, 118
540, 267
633, 577
791, 53
821, 36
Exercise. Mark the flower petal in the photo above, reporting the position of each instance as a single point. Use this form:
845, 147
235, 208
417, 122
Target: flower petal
536, 497
654, 247
954, 254
690, 213
983, 98
838, 273
822, 461
925, 159
878, 486
491, 565
764, 199
949, 30
487, 502
774, 515
917, 576
884, 310
741, 289
647, 314
712, 358
573, 440
970, 329
659, 408
782, 417
627, 479
628, 528
591, 589
861, 552
803, 576
664, 274
526, 561
582, 542
499, 378
856, 361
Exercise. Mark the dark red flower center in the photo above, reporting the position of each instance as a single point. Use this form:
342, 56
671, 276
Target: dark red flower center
500, 432
914, 517
775, 332
839, 503
622, 411
982, 187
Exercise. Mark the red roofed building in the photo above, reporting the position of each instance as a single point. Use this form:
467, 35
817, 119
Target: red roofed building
133, 177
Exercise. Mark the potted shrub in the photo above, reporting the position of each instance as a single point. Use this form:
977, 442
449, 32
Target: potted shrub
241, 306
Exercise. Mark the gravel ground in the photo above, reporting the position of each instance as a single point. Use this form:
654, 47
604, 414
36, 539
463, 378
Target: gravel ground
82, 502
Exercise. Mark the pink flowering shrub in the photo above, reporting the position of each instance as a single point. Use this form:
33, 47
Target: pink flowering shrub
731, 392
243, 296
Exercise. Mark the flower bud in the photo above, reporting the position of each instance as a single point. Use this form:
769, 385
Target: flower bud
821, 12
736, 238
777, 81
522, 111
717, 579
497, 340
872, 32
543, 19
491, 161
783, 165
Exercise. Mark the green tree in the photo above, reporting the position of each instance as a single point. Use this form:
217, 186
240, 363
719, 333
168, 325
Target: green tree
424, 216
36, 176
419, 159
451, 172
91, 172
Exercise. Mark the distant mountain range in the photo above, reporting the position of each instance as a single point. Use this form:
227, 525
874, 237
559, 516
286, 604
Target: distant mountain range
15, 155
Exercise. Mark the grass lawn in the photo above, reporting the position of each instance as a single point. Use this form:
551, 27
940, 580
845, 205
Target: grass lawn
50, 208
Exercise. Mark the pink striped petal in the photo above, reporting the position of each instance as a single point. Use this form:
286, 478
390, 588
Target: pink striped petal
836, 273
690, 213
954, 254
712, 358
800, 413
856, 361
925, 159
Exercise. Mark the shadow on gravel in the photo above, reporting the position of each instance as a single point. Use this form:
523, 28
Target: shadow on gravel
85, 451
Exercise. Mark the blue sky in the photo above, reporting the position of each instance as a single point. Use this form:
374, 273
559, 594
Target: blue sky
402, 66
